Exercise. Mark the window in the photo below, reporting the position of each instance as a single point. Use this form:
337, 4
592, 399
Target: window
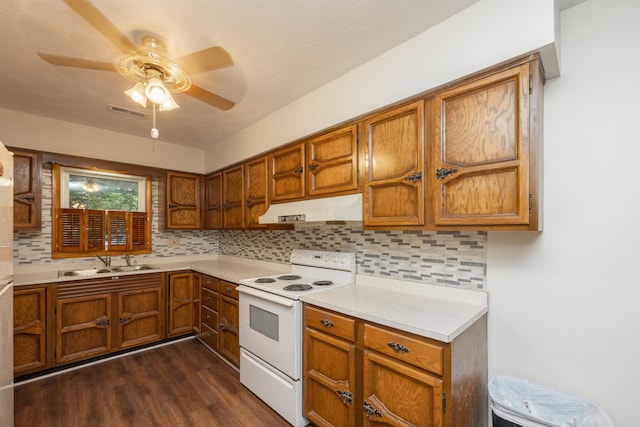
83, 189
100, 212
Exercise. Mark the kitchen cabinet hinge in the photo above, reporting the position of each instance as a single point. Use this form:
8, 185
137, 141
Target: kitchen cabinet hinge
530, 203
530, 83
444, 403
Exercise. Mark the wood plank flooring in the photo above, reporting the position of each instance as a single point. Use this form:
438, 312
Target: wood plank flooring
181, 384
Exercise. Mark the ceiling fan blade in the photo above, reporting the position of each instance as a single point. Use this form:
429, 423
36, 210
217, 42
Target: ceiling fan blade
205, 60
209, 98
68, 61
100, 22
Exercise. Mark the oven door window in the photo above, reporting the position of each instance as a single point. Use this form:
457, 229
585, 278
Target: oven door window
264, 322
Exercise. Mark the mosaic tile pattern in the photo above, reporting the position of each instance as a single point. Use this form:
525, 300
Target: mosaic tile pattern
442, 258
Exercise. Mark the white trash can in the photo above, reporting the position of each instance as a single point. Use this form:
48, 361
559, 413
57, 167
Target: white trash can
518, 402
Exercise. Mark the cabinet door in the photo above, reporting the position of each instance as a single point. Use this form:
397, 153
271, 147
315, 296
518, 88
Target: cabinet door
183, 200
480, 172
393, 167
140, 317
228, 322
233, 197
330, 380
83, 327
27, 199
213, 215
396, 394
286, 170
180, 304
29, 330
332, 162
255, 188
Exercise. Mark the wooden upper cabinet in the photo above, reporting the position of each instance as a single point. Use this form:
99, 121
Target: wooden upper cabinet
233, 197
332, 162
213, 189
183, 200
255, 188
287, 173
483, 151
27, 198
393, 148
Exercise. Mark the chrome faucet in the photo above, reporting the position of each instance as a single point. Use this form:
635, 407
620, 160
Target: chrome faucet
127, 258
106, 260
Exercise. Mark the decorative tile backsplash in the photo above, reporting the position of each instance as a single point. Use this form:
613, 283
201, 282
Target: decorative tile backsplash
441, 258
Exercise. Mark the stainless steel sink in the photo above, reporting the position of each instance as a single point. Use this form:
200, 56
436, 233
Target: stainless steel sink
106, 270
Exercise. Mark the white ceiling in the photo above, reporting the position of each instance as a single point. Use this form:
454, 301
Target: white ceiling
282, 50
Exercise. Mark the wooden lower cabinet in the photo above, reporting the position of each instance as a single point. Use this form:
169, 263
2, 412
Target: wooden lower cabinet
228, 323
181, 303
219, 317
30, 342
360, 373
96, 317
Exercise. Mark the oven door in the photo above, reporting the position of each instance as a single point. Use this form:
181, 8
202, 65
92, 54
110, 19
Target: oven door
271, 329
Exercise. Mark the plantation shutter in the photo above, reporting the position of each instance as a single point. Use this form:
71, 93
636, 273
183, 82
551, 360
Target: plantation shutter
118, 230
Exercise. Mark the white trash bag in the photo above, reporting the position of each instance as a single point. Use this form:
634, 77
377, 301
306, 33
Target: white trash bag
534, 405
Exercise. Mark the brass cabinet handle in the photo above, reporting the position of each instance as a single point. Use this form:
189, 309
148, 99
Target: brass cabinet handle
445, 172
346, 396
397, 347
371, 410
416, 177
29, 198
313, 166
298, 170
328, 323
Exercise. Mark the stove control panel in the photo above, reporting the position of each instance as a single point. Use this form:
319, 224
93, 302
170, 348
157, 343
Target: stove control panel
324, 259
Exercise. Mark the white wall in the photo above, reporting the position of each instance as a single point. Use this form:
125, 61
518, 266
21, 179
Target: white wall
45, 134
565, 303
487, 33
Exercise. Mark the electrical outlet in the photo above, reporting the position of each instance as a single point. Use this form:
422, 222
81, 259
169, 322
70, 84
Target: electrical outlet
173, 242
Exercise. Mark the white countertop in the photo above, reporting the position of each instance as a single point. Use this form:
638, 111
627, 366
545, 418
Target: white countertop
228, 268
437, 312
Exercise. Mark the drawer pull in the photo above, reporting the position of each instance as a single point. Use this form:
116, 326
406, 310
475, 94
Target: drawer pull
208, 317
209, 299
327, 323
371, 410
228, 289
346, 396
398, 348
221, 325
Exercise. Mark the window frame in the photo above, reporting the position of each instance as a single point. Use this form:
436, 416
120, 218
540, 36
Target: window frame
133, 244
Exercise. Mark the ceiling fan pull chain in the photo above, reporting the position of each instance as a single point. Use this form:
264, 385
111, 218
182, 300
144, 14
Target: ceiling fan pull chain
154, 130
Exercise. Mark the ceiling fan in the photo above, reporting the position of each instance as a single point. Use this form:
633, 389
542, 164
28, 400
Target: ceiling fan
148, 66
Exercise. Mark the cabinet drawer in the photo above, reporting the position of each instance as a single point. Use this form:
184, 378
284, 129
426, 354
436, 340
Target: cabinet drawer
209, 317
209, 337
402, 347
229, 289
209, 299
210, 283
331, 323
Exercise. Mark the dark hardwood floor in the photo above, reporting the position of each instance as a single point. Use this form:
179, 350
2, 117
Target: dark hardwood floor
182, 384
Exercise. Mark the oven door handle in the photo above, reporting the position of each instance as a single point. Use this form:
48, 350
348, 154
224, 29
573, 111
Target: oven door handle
266, 296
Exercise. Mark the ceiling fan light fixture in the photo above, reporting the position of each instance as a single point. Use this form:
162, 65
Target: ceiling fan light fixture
168, 104
137, 93
155, 91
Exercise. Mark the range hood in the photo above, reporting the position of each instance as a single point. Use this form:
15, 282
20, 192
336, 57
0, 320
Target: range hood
339, 208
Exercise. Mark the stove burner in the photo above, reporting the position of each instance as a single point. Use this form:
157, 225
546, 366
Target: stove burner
297, 288
265, 280
323, 283
289, 277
